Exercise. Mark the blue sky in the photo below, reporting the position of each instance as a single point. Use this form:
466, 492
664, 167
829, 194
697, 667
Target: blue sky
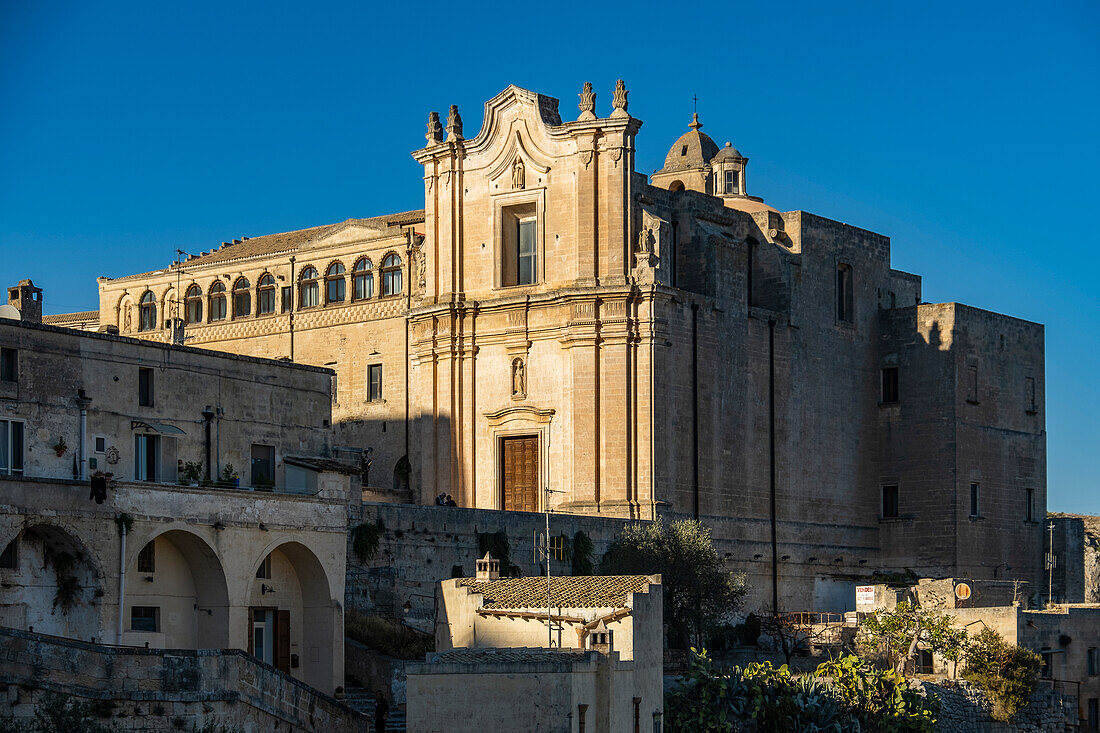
965, 131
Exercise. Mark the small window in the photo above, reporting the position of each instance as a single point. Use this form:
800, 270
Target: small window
242, 298
218, 305
9, 365
147, 558
363, 280
889, 385
1029, 506
1029, 394
264, 571
11, 448
334, 283
519, 249
309, 288
683, 151
263, 466
374, 376
844, 294
1048, 664
148, 312
975, 500
391, 275
890, 501
1093, 660
288, 299
731, 182
972, 384
145, 387
925, 663
144, 618
193, 304
100, 444
9, 560
265, 296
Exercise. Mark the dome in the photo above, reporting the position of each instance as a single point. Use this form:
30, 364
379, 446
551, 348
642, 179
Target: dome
728, 153
694, 149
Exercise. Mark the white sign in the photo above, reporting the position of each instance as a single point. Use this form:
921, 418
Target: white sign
865, 597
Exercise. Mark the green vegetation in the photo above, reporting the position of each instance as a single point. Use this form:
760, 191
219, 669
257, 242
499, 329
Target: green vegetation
55, 713
698, 590
582, 554
387, 636
1006, 673
496, 544
365, 539
907, 628
840, 696
192, 472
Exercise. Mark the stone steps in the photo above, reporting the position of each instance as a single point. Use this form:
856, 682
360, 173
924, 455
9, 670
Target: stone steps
363, 700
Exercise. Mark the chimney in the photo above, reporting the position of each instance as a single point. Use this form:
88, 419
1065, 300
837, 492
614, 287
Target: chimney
27, 299
488, 568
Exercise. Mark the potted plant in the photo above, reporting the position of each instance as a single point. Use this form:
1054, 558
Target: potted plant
191, 473
60, 447
229, 476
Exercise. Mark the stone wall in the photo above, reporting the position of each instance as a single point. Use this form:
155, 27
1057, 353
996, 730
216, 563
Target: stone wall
964, 709
160, 690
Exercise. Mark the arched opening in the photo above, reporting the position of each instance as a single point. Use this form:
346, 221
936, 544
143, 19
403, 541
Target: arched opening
391, 275
401, 471
52, 585
308, 289
676, 186
242, 298
294, 623
176, 594
217, 301
148, 312
193, 304
362, 280
265, 292
334, 283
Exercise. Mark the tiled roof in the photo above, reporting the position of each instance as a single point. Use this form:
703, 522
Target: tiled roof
323, 464
581, 591
59, 319
288, 242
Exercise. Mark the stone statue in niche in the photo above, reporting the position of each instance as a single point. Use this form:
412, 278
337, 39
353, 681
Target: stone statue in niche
645, 241
519, 378
126, 317
421, 261
519, 174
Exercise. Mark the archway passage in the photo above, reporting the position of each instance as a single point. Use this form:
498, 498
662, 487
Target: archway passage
176, 594
294, 624
52, 585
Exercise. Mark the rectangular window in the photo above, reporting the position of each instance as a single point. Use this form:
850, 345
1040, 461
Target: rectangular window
147, 558
374, 376
1029, 507
146, 457
890, 501
9, 560
11, 448
1093, 661
9, 365
144, 618
527, 229
731, 182
288, 299
889, 385
145, 387
263, 466
972, 384
1029, 394
975, 500
519, 246
844, 293
100, 444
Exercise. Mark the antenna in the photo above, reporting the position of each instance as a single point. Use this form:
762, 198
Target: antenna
542, 548
178, 335
1052, 562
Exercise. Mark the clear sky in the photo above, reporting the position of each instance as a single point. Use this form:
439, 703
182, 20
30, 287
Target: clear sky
965, 131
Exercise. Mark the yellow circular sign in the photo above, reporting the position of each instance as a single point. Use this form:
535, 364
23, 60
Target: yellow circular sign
962, 591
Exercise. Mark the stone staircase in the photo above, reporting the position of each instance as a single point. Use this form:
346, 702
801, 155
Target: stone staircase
362, 700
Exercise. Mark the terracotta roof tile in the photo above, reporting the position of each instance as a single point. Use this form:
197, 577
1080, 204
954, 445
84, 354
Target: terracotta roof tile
581, 591
60, 319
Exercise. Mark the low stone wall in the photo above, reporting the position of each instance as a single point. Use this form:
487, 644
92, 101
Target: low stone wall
964, 709
422, 545
374, 671
164, 689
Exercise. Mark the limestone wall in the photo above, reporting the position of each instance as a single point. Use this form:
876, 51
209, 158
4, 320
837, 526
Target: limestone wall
964, 709
159, 690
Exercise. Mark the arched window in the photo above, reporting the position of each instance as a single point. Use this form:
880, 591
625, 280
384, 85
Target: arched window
362, 279
308, 288
391, 275
217, 301
265, 295
334, 283
193, 304
242, 298
148, 314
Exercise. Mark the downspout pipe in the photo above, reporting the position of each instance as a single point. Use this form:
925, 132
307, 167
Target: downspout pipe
207, 418
771, 465
695, 410
82, 401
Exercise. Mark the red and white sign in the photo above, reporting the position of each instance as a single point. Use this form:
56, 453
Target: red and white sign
865, 597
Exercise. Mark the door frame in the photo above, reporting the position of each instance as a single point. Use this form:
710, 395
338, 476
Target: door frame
538, 468
518, 422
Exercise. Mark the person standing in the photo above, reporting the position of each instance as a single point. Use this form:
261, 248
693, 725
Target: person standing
381, 712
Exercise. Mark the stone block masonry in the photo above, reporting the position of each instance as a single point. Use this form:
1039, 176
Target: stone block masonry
164, 689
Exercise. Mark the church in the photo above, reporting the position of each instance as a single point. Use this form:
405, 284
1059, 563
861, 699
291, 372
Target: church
550, 327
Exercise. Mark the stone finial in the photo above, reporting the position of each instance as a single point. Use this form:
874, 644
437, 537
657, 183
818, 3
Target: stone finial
587, 105
435, 130
454, 124
619, 102
695, 123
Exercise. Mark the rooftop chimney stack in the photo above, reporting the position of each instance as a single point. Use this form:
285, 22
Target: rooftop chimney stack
488, 568
27, 299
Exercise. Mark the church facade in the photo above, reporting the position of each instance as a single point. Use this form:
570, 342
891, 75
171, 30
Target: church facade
555, 328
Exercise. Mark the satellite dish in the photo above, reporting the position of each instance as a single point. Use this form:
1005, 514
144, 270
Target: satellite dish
962, 591
10, 312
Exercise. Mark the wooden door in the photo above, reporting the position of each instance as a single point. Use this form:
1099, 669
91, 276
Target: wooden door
282, 641
520, 473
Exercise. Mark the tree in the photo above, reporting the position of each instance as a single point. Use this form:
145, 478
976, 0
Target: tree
1005, 672
698, 590
791, 632
908, 626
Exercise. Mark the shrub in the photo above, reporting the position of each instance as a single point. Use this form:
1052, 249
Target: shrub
387, 636
365, 539
582, 554
1006, 673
